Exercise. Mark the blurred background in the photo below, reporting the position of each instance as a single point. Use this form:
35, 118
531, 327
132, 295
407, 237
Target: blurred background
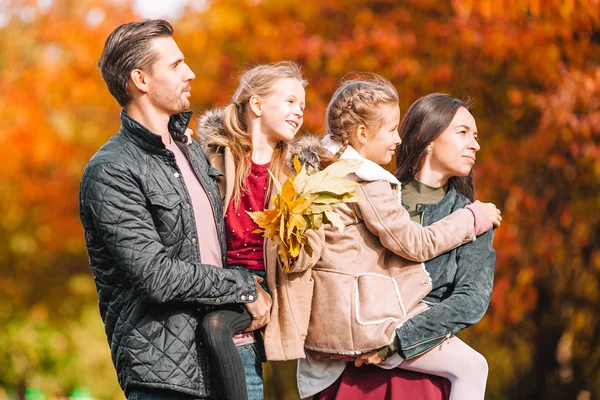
531, 68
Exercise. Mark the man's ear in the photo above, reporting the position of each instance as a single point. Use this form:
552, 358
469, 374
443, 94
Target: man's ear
140, 80
255, 105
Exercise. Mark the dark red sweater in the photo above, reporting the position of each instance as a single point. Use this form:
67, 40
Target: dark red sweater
244, 248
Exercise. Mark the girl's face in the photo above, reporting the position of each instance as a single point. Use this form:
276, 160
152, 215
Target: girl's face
453, 152
380, 146
283, 110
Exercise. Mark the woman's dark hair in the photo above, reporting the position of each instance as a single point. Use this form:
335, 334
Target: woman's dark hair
424, 121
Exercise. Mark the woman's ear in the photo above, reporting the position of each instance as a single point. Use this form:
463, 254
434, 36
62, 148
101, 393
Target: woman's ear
255, 105
139, 79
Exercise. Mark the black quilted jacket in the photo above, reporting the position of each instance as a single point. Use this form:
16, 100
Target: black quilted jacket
142, 245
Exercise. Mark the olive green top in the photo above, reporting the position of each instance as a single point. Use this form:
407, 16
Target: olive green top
415, 193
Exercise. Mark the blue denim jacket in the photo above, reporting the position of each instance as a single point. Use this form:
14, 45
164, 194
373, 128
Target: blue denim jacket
462, 285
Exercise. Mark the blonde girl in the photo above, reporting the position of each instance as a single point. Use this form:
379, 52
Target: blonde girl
243, 142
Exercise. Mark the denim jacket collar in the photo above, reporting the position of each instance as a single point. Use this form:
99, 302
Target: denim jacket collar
448, 201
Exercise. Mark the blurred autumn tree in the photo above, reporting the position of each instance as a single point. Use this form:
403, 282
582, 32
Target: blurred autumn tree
530, 66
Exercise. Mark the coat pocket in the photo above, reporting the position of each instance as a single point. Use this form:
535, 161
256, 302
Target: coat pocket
377, 299
414, 284
300, 294
165, 208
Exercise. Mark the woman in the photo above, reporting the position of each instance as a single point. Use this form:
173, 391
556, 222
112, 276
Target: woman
434, 162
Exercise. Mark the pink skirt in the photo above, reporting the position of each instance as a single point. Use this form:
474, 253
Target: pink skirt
373, 383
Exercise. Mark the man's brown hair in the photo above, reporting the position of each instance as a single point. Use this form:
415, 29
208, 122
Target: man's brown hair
127, 48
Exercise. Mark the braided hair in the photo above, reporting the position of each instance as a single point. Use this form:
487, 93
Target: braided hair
356, 103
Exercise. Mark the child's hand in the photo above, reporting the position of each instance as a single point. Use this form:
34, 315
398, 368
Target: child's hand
188, 135
315, 241
491, 211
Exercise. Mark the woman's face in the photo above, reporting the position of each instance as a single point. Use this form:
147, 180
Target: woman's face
381, 145
453, 152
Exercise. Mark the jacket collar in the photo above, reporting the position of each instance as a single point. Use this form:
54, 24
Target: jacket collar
368, 170
445, 205
150, 141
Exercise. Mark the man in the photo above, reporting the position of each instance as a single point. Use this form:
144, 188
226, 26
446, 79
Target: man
151, 212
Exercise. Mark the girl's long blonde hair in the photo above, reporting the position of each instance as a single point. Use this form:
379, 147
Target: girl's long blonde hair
258, 81
355, 103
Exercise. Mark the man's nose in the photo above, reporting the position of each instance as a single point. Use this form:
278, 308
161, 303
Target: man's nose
190, 74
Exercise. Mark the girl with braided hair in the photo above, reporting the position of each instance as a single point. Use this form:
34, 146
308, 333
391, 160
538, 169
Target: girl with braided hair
370, 278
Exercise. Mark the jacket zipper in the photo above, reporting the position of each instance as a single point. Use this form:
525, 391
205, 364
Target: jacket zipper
445, 337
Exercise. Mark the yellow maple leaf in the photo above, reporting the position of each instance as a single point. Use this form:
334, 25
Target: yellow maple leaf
305, 201
335, 220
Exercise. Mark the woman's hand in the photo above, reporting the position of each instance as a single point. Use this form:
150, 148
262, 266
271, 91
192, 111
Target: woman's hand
371, 357
491, 211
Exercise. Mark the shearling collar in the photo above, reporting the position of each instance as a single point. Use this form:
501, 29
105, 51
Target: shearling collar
368, 171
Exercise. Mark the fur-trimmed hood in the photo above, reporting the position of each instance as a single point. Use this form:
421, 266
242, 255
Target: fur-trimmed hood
307, 146
211, 129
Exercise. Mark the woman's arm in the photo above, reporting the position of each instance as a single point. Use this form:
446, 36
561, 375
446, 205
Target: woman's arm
464, 307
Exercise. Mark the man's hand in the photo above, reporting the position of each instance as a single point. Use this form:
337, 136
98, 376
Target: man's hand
260, 310
371, 357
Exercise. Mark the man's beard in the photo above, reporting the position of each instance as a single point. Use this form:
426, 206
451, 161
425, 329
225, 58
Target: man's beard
182, 104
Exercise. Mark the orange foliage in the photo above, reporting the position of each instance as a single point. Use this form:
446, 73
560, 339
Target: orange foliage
530, 67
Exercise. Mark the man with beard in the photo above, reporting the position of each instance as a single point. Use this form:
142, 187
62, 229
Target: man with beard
153, 221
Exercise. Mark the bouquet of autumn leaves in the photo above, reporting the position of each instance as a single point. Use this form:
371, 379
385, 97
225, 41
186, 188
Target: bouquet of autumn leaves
305, 201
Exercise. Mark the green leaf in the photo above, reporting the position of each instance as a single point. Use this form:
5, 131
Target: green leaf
335, 185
